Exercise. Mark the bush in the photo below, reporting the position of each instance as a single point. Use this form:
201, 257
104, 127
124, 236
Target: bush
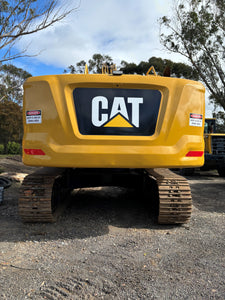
1, 149
13, 148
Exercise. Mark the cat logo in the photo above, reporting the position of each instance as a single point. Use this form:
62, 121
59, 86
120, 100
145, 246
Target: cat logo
118, 117
111, 111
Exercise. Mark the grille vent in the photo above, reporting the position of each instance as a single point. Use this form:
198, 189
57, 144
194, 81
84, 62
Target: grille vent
218, 145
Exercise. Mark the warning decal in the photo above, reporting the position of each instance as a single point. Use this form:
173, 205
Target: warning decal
33, 117
195, 120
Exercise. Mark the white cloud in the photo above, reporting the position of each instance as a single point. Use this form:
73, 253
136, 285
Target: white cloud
125, 30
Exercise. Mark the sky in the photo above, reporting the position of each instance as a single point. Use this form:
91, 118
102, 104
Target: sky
123, 29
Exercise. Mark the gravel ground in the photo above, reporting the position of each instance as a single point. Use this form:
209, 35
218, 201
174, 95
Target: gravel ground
107, 245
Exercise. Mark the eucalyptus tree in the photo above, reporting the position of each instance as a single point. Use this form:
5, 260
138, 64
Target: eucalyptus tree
196, 30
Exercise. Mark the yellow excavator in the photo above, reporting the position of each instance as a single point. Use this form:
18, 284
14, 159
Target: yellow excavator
89, 130
214, 147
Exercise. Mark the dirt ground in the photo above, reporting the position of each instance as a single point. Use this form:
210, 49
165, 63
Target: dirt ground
107, 245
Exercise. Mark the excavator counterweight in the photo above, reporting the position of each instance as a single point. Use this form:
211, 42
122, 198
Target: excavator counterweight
86, 128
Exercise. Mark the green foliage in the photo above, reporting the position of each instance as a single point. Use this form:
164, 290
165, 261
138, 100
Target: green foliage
11, 81
197, 31
13, 148
177, 69
220, 121
1, 149
11, 96
11, 124
81, 66
94, 64
129, 68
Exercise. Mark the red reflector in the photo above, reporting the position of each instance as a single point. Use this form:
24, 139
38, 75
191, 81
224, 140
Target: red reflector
34, 151
195, 154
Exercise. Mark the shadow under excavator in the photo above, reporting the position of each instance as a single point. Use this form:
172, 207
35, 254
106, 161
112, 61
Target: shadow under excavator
90, 213
93, 211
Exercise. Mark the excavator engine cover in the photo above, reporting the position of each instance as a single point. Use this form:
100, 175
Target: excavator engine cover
90, 128
106, 121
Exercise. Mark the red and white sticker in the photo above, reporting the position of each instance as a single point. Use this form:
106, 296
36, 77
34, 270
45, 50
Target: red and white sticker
33, 117
195, 120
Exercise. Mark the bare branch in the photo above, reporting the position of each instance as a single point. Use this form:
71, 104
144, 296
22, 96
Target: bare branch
25, 17
2, 98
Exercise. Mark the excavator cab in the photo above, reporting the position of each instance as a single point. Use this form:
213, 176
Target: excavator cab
210, 125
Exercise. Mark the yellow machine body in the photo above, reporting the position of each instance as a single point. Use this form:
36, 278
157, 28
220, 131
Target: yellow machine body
209, 142
214, 142
102, 121
209, 130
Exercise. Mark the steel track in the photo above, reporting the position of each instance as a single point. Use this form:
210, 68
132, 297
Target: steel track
42, 196
39, 199
174, 193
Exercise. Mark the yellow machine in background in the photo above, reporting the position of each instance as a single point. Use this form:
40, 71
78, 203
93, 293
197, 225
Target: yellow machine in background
105, 122
214, 147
